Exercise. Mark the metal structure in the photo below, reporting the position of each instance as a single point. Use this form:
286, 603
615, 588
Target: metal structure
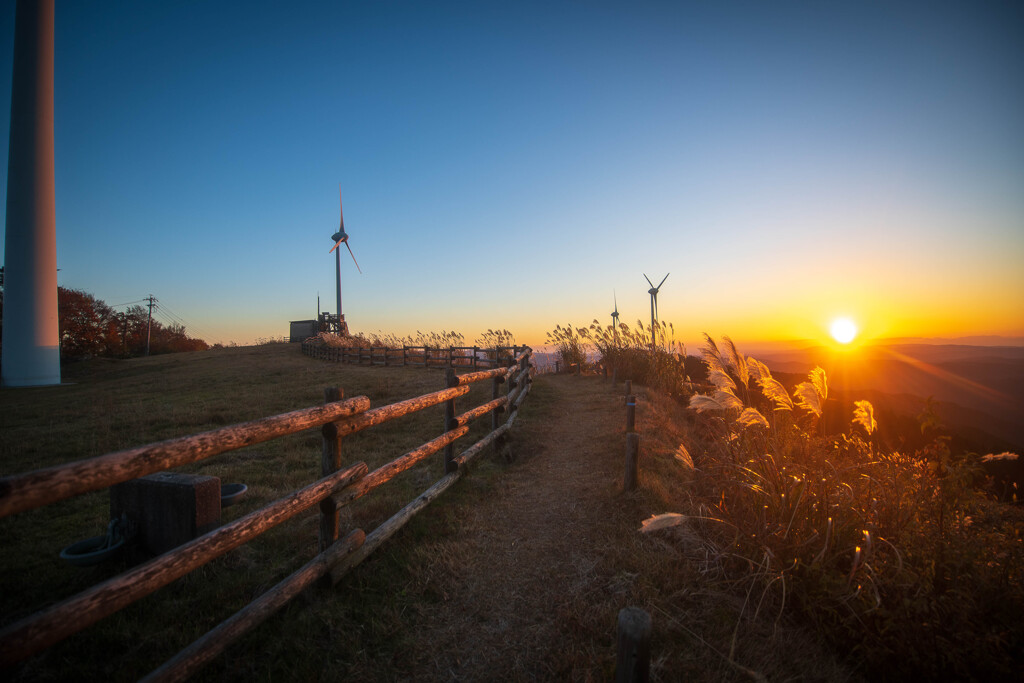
301, 330
338, 325
31, 341
615, 319
653, 291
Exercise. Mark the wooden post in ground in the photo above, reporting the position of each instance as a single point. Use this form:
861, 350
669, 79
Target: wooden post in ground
633, 659
630, 414
330, 461
449, 420
632, 461
629, 387
615, 375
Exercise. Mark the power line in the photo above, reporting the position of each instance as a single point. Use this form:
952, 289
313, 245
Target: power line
168, 316
184, 323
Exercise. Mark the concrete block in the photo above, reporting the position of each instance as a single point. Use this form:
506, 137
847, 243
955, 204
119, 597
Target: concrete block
166, 509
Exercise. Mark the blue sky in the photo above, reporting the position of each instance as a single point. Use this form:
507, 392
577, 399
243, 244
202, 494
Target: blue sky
512, 164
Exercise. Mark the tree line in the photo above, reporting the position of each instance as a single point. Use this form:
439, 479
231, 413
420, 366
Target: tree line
88, 327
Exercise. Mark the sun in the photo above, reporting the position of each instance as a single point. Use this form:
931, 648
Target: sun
843, 330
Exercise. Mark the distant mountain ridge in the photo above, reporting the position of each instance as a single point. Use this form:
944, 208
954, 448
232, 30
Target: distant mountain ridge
981, 387
976, 340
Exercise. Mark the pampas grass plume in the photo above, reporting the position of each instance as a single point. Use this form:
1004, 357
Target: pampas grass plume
663, 521
751, 418
864, 415
776, 393
682, 456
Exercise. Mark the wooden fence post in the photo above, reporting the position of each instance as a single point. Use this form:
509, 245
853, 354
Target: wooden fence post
629, 387
330, 461
630, 414
449, 420
633, 659
512, 384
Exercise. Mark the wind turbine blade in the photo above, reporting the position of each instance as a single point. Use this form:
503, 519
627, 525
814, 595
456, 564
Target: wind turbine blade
662, 281
354, 258
616, 300
335, 245
649, 281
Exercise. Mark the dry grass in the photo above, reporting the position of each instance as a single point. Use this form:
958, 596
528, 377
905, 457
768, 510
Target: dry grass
718, 618
516, 574
110, 405
898, 559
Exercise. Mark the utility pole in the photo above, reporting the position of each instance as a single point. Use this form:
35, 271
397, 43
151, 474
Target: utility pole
149, 320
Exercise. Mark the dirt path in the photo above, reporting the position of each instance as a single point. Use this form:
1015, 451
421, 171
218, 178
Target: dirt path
529, 585
535, 559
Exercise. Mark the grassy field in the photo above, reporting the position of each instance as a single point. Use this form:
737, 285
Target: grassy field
106, 406
728, 597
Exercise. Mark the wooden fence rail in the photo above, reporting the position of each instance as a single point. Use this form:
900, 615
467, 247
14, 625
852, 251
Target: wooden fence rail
338, 417
422, 356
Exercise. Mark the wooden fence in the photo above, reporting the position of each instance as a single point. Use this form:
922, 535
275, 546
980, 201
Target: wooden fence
338, 487
474, 357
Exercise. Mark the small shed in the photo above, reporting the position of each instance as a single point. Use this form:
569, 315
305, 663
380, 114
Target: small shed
301, 330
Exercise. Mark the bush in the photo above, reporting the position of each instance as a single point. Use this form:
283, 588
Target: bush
630, 354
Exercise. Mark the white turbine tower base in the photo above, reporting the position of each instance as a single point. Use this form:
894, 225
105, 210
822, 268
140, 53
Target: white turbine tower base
31, 345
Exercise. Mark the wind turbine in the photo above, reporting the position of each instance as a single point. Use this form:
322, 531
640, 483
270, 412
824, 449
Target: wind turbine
338, 238
653, 291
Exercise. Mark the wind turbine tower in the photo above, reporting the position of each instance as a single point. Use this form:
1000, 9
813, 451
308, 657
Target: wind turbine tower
31, 344
653, 291
338, 238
